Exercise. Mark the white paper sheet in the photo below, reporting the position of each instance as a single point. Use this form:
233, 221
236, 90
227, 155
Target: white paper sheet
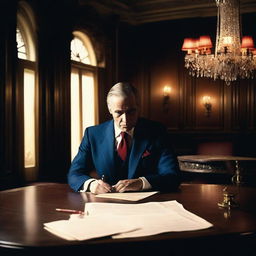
129, 196
151, 218
90, 227
152, 225
60, 234
127, 220
130, 209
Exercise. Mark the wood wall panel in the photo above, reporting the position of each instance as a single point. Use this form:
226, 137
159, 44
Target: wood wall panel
168, 114
187, 100
213, 121
161, 61
161, 58
251, 115
10, 173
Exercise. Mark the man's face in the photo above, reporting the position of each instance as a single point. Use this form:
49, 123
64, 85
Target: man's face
124, 112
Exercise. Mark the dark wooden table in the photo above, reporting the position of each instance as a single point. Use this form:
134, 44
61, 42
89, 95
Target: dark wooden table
24, 210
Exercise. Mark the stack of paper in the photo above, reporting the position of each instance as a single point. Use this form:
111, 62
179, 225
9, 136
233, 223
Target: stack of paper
150, 218
127, 220
89, 227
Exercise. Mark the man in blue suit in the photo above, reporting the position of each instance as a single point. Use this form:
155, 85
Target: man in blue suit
131, 153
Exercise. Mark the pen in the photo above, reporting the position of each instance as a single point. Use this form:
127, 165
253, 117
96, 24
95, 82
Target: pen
69, 211
104, 180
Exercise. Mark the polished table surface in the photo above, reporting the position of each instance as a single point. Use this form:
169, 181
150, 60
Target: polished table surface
24, 210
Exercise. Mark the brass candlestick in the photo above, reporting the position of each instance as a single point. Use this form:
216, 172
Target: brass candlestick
229, 197
228, 200
237, 179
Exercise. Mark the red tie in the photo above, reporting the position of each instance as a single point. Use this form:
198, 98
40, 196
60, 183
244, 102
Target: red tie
123, 146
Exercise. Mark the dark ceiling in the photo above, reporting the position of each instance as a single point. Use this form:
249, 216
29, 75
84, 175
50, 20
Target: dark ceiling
145, 11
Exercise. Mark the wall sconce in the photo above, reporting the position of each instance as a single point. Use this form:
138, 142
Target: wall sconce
166, 100
208, 105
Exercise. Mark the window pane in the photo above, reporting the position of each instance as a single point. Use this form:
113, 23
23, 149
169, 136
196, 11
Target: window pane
82, 106
79, 52
88, 112
29, 118
22, 51
75, 113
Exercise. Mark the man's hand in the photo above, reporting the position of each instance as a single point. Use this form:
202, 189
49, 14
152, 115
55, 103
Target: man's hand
99, 187
128, 185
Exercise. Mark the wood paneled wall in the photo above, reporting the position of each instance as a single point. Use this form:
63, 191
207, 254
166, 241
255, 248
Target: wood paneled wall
151, 57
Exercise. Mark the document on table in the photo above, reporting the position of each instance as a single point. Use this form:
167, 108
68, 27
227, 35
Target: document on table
128, 196
127, 220
89, 227
151, 218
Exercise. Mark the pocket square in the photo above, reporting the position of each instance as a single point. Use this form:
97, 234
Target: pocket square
146, 153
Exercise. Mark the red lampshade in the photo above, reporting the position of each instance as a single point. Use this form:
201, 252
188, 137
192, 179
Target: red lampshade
189, 44
247, 42
205, 42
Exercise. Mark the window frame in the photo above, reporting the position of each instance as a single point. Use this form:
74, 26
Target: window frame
81, 68
29, 173
27, 27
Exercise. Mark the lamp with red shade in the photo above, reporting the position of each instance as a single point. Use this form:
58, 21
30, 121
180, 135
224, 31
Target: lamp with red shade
205, 44
247, 45
190, 45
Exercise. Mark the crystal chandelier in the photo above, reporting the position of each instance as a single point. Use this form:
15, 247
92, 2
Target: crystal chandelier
232, 59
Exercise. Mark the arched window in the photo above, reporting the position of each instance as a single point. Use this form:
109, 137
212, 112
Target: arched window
26, 80
84, 111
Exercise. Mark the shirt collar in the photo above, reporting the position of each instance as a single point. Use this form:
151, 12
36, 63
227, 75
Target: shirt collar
118, 131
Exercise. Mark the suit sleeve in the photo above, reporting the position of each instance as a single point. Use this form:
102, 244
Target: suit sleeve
167, 174
81, 164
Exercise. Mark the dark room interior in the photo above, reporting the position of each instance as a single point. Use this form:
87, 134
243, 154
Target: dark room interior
135, 41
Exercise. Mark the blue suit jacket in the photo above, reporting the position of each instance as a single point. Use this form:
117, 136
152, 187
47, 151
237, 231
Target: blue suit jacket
150, 156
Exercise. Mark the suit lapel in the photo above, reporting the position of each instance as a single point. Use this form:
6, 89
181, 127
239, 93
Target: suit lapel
139, 145
107, 148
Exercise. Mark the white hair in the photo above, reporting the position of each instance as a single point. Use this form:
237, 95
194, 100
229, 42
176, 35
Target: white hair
122, 89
